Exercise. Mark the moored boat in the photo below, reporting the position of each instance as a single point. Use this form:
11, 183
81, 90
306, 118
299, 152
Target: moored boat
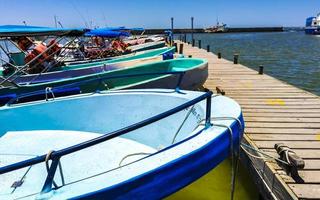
27, 55
128, 57
147, 46
166, 142
189, 73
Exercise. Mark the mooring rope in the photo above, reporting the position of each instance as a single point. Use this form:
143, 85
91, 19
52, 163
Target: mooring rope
183, 122
133, 154
20, 182
245, 146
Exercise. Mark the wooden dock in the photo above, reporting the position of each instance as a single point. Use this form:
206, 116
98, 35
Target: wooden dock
274, 112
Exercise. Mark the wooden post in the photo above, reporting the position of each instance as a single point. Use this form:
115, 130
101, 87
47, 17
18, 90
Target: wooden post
176, 47
181, 48
185, 37
192, 19
172, 25
219, 55
193, 42
235, 59
261, 69
199, 44
208, 48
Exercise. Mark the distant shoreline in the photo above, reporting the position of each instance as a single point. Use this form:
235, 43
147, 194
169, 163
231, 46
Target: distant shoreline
230, 30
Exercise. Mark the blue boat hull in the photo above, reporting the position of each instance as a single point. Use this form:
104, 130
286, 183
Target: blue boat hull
312, 30
175, 175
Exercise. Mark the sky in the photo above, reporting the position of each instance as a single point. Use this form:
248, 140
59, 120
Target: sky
157, 13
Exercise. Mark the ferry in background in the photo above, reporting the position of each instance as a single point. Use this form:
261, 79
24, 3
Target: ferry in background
313, 25
219, 28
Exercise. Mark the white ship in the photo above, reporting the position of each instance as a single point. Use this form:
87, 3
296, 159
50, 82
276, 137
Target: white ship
218, 28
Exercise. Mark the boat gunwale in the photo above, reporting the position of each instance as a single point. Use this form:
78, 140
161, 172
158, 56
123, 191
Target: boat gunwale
203, 62
136, 53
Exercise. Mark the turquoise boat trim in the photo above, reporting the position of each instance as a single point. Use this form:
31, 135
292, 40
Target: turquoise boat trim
191, 61
75, 86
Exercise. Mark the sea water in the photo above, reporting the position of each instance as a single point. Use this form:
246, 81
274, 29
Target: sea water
293, 57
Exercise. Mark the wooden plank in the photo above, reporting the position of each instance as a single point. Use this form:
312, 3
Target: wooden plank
267, 96
282, 119
217, 79
283, 114
284, 137
310, 164
278, 102
273, 96
281, 106
271, 110
277, 130
303, 153
286, 101
292, 144
256, 90
308, 176
282, 125
306, 191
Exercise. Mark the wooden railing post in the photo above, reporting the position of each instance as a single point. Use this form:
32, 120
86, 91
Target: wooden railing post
261, 69
181, 48
235, 59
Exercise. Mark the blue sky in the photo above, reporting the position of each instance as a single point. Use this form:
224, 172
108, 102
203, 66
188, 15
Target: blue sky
157, 13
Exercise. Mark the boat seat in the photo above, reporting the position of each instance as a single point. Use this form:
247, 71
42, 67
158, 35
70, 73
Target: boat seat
21, 145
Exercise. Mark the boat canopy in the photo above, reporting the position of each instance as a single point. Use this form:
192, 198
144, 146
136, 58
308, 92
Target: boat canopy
112, 32
123, 28
21, 30
106, 32
133, 29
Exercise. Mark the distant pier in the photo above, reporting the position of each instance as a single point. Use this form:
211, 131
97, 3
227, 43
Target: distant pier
230, 30
274, 112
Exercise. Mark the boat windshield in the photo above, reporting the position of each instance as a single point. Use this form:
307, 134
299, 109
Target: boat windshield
7, 48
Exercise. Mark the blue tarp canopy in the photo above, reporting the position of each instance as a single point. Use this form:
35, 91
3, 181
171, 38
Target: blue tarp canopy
123, 28
20, 30
132, 29
106, 32
112, 32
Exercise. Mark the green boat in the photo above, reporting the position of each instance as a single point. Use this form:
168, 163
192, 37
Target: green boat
190, 73
130, 57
